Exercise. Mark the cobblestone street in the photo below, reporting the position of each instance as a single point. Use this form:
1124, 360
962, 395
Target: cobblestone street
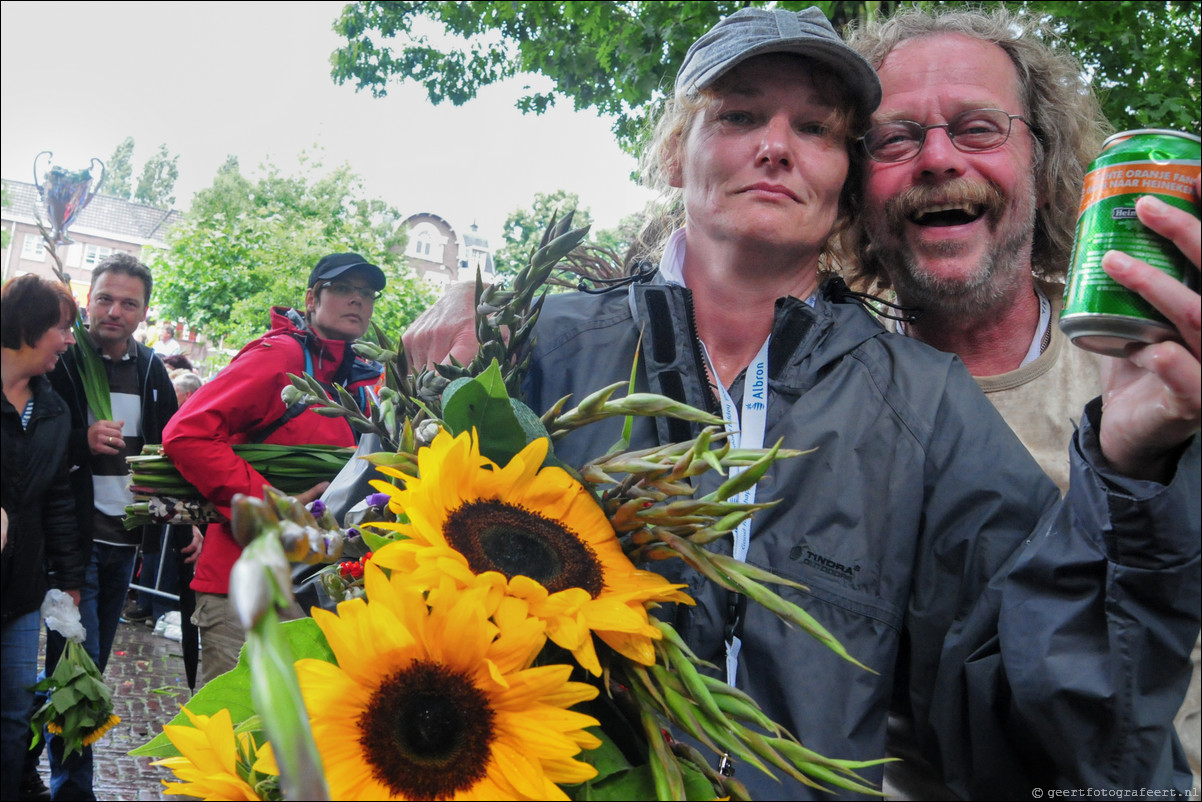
146, 675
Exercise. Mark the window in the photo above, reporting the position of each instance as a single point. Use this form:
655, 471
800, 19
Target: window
34, 248
477, 259
426, 243
94, 255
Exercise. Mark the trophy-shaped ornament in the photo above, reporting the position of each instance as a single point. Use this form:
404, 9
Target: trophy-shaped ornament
65, 193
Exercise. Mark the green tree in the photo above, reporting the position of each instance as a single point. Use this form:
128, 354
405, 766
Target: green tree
157, 182
119, 169
1143, 55
246, 245
617, 240
5, 236
603, 255
524, 227
621, 58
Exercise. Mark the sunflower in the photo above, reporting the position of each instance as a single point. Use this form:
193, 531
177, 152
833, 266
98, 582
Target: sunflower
437, 700
92, 737
216, 762
537, 534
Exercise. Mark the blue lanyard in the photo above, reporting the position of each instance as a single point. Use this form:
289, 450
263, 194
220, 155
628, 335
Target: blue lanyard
746, 431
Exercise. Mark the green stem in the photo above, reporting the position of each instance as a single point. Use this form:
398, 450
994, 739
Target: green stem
275, 689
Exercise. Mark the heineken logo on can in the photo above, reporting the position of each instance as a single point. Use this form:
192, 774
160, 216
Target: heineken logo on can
1099, 313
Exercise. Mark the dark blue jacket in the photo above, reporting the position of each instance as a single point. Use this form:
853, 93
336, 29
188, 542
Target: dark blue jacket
1034, 643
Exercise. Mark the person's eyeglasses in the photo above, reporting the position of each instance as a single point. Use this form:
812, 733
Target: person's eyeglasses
343, 290
970, 131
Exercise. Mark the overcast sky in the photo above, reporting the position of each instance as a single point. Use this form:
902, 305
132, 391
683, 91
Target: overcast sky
253, 79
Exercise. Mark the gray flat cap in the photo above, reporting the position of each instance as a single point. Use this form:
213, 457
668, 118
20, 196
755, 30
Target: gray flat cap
756, 31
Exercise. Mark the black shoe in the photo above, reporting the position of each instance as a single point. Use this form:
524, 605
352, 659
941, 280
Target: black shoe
134, 615
33, 787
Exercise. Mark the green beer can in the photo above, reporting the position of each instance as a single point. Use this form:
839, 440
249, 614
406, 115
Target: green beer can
1099, 313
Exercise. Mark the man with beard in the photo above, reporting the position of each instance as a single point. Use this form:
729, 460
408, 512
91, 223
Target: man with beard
979, 239
978, 155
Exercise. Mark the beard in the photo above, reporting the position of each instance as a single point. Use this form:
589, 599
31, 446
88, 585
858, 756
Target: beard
970, 293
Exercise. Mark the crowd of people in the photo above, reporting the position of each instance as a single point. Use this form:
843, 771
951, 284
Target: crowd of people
1021, 516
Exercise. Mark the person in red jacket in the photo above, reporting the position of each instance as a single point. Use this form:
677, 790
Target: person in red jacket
242, 404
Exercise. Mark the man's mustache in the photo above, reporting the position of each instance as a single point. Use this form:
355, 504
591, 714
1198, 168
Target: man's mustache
976, 197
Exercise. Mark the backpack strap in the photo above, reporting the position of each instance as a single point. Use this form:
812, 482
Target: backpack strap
300, 406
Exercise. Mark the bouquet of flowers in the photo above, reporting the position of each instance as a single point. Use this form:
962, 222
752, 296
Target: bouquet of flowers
163, 496
79, 706
496, 638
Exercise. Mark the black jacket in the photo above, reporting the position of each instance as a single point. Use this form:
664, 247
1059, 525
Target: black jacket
158, 405
1036, 644
37, 499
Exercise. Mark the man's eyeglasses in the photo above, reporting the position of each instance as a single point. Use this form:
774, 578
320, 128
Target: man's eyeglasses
343, 290
970, 131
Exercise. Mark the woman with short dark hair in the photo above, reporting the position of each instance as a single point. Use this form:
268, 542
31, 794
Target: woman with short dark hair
40, 545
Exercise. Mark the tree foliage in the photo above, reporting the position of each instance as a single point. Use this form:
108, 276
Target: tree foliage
247, 245
5, 235
621, 237
119, 170
1144, 57
158, 178
524, 227
156, 183
602, 255
620, 58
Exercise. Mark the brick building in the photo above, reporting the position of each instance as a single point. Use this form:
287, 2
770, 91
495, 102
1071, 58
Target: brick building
438, 254
105, 225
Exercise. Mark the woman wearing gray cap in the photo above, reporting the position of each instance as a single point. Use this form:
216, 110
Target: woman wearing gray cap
928, 541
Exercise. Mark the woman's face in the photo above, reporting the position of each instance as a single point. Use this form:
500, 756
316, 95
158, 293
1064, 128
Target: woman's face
54, 343
765, 162
342, 311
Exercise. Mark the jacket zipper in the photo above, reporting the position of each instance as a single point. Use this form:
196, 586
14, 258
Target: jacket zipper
711, 403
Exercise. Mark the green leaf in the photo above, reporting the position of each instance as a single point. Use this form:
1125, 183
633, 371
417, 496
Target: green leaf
639, 783
231, 690
376, 541
64, 699
607, 758
483, 404
306, 640
532, 425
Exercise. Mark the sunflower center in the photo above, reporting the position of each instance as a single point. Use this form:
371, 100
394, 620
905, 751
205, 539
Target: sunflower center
427, 732
497, 536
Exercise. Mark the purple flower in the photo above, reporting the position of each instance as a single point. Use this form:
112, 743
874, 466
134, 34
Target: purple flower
317, 508
377, 500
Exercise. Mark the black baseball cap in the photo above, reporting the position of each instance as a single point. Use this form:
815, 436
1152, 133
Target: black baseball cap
336, 264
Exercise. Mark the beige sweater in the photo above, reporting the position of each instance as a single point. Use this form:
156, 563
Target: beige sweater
1043, 400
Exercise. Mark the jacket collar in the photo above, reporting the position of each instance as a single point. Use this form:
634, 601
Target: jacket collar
805, 336
349, 367
46, 402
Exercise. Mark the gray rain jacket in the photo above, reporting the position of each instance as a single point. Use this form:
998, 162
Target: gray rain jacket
1035, 644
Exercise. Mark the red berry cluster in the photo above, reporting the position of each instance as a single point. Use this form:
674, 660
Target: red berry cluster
353, 569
